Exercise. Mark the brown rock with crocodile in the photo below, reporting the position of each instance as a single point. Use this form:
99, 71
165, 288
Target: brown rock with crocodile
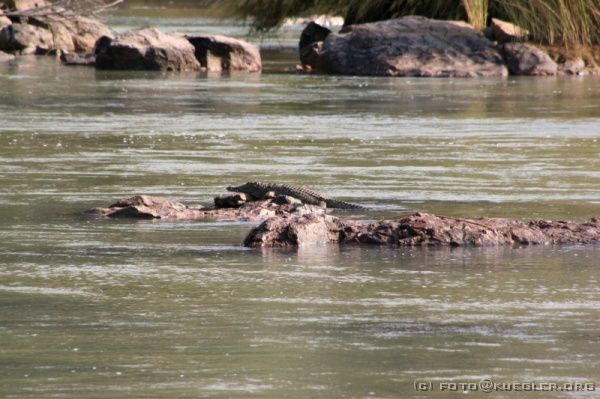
149, 207
287, 222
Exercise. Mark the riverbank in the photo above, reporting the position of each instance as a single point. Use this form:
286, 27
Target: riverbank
410, 46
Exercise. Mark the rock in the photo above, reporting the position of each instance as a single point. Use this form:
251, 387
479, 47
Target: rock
25, 39
574, 66
286, 199
420, 229
233, 200
221, 53
411, 46
146, 49
23, 5
503, 32
286, 223
52, 33
78, 59
4, 21
148, 207
311, 43
85, 32
526, 59
295, 231
309, 56
6, 57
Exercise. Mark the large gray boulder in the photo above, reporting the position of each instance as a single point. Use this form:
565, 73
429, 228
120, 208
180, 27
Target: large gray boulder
526, 59
411, 46
146, 49
222, 53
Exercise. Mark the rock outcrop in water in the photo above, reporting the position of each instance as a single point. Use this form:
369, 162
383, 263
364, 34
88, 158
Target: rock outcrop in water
295, 231
287, 223
149, 207
410, 46
55, 30
146, 49
150, 49
422, 47
526, 59
78, 59
420, 229
219, 53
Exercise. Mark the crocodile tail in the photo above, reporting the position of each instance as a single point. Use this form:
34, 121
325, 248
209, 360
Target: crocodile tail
332, 203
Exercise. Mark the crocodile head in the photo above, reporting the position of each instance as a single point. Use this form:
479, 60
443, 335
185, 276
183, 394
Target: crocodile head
243, 188
253, 189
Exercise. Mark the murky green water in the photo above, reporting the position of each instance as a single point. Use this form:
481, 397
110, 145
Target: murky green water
116, 309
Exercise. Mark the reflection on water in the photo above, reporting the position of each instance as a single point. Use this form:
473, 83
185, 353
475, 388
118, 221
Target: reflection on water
178, 309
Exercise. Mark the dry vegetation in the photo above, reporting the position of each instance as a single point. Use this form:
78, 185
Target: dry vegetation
570, 23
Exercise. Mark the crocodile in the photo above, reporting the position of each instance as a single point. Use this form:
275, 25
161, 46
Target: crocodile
257, 191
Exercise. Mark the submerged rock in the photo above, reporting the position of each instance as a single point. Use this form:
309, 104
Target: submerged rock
146, 49
78, 59
222, 53
527, 59
411, 46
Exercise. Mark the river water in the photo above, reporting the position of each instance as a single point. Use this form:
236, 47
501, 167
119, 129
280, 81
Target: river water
120, 309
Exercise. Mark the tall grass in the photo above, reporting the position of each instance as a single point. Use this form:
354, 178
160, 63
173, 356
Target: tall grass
568, 22
477, 12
